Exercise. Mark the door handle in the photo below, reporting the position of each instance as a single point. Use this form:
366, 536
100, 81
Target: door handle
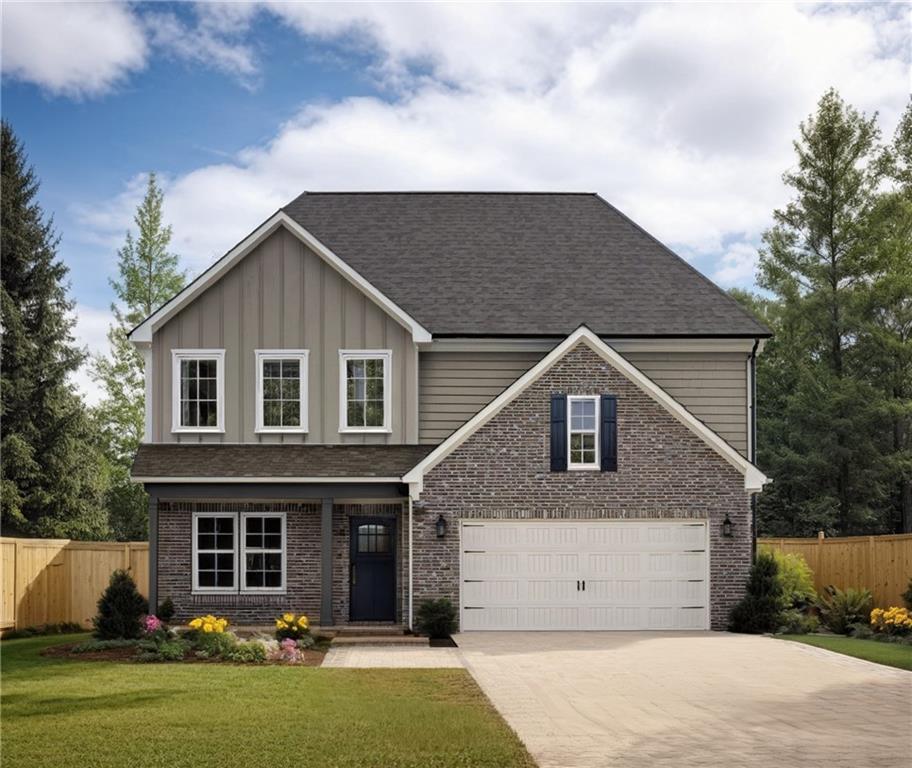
354, 578
584, 585
577, 585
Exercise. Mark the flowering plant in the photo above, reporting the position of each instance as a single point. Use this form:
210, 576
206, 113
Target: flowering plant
290, 626
209, 623
287, 651
892, 621
152, 624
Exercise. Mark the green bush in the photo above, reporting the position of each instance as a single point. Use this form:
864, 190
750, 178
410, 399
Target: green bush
795, 622
306, 641
63, 628
211, 645
758, 611
907, 596
841, 609
165, 650
436, 618
165, 610
250, 652
796, 580
92, 646
120, 609
861, 631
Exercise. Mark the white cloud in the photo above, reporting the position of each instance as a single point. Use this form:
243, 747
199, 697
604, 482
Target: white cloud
90, 332
737, 265
72, 49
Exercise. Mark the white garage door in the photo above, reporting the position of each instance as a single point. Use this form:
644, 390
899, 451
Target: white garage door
588, 574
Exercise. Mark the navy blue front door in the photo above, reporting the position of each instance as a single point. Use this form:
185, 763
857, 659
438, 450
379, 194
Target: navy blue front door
373, 569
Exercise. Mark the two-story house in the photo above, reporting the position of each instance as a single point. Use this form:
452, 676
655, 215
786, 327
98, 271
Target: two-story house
522, 402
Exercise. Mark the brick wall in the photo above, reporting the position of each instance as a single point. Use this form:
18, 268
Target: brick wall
664, 471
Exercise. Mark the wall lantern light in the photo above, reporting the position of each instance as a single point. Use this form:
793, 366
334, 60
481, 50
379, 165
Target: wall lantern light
727, 526
441, 526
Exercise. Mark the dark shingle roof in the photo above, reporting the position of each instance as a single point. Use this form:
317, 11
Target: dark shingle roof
329, 461
519, 264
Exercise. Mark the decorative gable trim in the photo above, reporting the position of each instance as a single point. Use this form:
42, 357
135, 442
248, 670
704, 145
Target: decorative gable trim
142, 333
754, 479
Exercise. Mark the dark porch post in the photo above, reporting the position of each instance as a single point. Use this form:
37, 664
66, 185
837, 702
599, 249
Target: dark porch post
326, 569
153, 554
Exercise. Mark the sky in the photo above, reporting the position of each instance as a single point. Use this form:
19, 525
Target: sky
682, 115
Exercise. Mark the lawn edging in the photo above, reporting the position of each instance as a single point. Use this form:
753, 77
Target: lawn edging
892, 655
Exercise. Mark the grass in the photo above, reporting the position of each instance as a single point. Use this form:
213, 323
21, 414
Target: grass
72, 713
890, 654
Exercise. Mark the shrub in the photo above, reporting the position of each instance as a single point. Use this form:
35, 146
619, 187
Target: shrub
172, 649
795, 622
306, 641
209, 623
92, 646
758, 611
63, 628
840, 609
251, 652
796, 580
861, 632
166, 610
436, 618
290, 626
211, 645
893, 621
907, 596
120, 609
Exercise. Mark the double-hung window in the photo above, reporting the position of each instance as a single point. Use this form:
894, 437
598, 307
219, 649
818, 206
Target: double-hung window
281, 390
198, 390
583, 434
239, 552
364, 390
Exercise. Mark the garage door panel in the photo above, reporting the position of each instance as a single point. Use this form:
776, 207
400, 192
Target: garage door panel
584, 575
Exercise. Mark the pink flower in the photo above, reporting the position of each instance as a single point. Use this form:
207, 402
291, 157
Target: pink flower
151, 624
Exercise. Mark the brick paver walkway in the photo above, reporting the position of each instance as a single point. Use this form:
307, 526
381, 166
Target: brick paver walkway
637, 700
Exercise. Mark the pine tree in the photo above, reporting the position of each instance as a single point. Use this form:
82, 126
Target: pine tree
52, 483
147, 277
822, 441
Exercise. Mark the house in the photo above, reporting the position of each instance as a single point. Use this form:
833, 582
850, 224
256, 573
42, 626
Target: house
522, 402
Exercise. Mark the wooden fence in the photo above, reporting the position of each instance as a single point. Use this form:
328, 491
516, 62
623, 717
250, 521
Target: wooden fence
882, 564
47, 581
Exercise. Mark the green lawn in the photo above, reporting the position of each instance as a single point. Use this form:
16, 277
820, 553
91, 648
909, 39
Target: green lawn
883, 653
60, 713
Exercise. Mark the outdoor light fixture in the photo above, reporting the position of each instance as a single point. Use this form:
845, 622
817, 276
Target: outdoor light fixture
727, 527
441, 527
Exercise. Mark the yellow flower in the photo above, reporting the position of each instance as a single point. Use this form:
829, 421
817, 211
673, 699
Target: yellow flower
281, 624
289, 617
196, 623
303, 621
207, 627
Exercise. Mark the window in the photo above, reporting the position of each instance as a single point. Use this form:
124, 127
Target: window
281, 390
198, 390
255, 540
583, 433
264, 552
374, 538
213, 553
364, 398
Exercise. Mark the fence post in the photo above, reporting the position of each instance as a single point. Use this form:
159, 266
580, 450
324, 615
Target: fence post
126, 556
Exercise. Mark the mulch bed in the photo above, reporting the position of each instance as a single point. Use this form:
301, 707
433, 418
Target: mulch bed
128, 654
442, 642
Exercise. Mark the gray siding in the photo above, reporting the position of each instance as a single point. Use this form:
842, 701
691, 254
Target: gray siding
454, 386
283, 296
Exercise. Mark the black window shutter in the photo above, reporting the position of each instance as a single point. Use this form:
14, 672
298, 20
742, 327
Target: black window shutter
609, 438
558, 433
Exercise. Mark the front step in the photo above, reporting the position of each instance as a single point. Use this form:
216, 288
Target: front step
377, 639
362, 630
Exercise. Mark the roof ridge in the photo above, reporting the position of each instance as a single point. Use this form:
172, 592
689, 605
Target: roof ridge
445, 192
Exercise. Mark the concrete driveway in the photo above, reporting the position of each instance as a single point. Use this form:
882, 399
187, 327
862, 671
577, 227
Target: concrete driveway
691, 699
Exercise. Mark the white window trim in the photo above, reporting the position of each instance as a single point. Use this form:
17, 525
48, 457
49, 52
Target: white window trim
242, 532
303, 357
597, 464
365, 354
177, 355
197, 589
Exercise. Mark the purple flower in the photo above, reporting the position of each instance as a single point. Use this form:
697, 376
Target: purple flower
152, 624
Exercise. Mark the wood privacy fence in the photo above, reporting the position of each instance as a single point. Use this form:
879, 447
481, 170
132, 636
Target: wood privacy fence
48, 581
882, 564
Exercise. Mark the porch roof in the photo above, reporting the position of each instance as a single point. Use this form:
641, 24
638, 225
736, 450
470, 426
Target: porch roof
176, 461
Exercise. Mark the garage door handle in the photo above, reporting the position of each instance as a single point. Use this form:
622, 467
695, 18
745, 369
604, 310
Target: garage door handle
577, 585
584, 585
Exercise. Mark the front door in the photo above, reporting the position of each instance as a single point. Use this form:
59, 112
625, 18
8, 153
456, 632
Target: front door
373, 569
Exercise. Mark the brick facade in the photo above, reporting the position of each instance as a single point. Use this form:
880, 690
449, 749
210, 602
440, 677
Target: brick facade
664, 471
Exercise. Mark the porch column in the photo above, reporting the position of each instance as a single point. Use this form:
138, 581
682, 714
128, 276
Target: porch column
153, 554
326, 560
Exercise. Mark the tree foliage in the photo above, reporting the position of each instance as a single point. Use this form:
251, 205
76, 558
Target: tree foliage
52, 483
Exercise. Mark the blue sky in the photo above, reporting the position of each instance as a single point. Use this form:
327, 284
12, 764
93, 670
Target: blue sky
682, 115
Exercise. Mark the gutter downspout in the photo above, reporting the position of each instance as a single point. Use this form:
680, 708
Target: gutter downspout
752, 439
410, 579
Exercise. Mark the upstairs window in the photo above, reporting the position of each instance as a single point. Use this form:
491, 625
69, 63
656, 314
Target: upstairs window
364, 397
582, 435
198, 390
281, 390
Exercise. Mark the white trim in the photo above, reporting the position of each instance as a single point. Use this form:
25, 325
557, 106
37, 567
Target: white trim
195, 587
411, 579
144, 331
194, 479
242, 532
146, 350
197, 354
544, 344
302, 356
597, 464
754, 479
386, 355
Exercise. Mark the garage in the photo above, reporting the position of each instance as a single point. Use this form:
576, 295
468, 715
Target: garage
584, 575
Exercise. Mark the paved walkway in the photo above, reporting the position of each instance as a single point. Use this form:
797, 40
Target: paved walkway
630, 700
397, 656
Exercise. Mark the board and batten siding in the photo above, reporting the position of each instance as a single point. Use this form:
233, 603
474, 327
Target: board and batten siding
284, 296
454, 386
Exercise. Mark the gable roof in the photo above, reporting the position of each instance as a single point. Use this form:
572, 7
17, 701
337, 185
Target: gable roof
481, 263
754, 479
